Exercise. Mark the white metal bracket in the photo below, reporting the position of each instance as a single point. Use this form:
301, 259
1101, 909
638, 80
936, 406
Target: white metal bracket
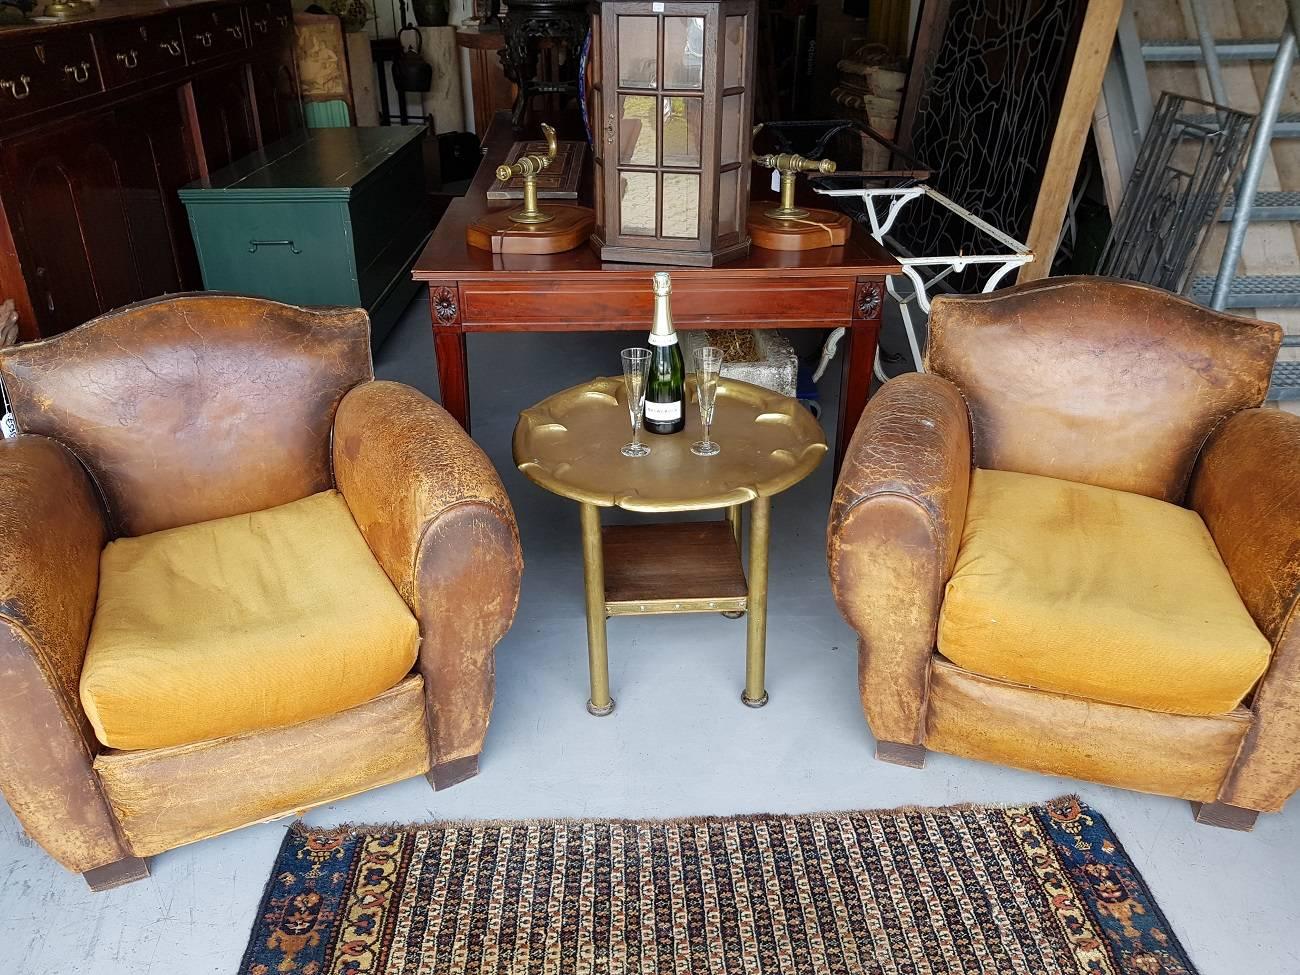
924, 272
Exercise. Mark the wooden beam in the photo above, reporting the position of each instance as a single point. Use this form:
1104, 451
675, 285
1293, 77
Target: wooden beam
1096, 36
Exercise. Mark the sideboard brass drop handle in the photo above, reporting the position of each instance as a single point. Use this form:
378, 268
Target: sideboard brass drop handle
171, 47
80, 73
129, 59
12, 86
205, 38
236, 32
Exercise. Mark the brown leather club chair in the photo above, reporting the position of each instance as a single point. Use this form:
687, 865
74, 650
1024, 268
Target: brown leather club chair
238, 578
1073, 546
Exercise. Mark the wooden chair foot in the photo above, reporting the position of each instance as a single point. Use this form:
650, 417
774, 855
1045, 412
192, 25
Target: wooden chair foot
116, 874
447, 774
1224, 815
897, 753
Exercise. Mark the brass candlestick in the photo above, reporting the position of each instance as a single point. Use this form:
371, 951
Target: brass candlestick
529, 167
532, 230
787, 227
790, 165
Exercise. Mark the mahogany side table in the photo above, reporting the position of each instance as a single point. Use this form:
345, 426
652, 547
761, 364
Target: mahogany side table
473, 290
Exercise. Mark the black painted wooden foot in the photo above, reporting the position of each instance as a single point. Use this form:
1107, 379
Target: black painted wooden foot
447, 774
897, 753
116, 874
1224, 815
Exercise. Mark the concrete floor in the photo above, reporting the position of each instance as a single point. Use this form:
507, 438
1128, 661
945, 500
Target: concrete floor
679, 743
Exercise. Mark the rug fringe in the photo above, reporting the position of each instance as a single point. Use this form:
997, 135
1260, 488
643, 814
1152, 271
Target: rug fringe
348, 829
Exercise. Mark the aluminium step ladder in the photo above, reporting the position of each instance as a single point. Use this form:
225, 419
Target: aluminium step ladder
1227, 289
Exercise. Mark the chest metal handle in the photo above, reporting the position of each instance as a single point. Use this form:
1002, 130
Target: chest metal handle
171, 47
129, 59
205, 38
253, 245
236, 32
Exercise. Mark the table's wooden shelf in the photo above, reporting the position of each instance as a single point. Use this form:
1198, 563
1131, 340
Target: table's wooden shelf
692, 567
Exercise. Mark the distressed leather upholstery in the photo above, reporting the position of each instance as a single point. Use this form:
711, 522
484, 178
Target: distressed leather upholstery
1103, 383
199, 407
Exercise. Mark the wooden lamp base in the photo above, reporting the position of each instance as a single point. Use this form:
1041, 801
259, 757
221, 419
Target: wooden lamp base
569, 227
820, 228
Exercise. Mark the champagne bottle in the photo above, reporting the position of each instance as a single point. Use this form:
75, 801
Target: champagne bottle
665, 394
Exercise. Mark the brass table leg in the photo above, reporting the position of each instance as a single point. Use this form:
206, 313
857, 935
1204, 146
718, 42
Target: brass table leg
593, 574
733, 516
760, 514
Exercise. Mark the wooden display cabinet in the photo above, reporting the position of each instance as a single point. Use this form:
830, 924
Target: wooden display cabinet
102, 120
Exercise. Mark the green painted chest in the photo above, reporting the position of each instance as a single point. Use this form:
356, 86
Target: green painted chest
325, 217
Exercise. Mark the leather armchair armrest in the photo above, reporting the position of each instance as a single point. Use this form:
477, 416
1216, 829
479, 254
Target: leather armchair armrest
433, 510
1246, 487
895, 525
52, 531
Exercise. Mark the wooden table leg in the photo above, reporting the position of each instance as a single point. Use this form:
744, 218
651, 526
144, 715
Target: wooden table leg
855, 384
453, 372
760, 513
593, 574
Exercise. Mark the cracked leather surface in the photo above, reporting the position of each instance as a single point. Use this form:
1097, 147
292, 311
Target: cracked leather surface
194, 407
1247, 489
51, 533
433, 510
895, 524
1099, 381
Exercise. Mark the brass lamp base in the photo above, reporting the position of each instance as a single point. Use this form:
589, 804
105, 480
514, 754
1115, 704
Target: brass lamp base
812, 230
568, 226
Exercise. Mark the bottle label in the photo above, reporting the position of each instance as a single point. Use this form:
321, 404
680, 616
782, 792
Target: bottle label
663, 412
670, 339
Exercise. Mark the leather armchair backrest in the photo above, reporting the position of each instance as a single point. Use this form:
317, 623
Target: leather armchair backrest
1099, 381
195, 406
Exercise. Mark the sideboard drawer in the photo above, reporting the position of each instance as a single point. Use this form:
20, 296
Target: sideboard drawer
37, 75
622, 299
210, 33
135, 51
269, 23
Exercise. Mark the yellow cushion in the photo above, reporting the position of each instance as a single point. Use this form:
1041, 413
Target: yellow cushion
1098, 594
239, 624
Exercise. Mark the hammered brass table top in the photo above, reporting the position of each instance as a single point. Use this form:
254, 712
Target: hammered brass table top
569, 444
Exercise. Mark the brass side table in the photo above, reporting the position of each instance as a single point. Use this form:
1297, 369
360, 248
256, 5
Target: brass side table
569, 444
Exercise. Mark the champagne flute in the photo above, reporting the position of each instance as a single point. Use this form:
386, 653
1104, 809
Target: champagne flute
708, 362
636, 370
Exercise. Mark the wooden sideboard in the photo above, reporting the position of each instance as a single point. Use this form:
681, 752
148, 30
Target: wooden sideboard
103, 119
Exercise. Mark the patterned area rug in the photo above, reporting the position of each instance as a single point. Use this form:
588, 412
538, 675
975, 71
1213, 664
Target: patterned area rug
1033, 889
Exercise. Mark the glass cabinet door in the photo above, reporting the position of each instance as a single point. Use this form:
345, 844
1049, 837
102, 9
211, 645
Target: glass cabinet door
655, 130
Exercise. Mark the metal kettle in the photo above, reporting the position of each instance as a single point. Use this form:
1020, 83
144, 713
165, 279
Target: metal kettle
410, 71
